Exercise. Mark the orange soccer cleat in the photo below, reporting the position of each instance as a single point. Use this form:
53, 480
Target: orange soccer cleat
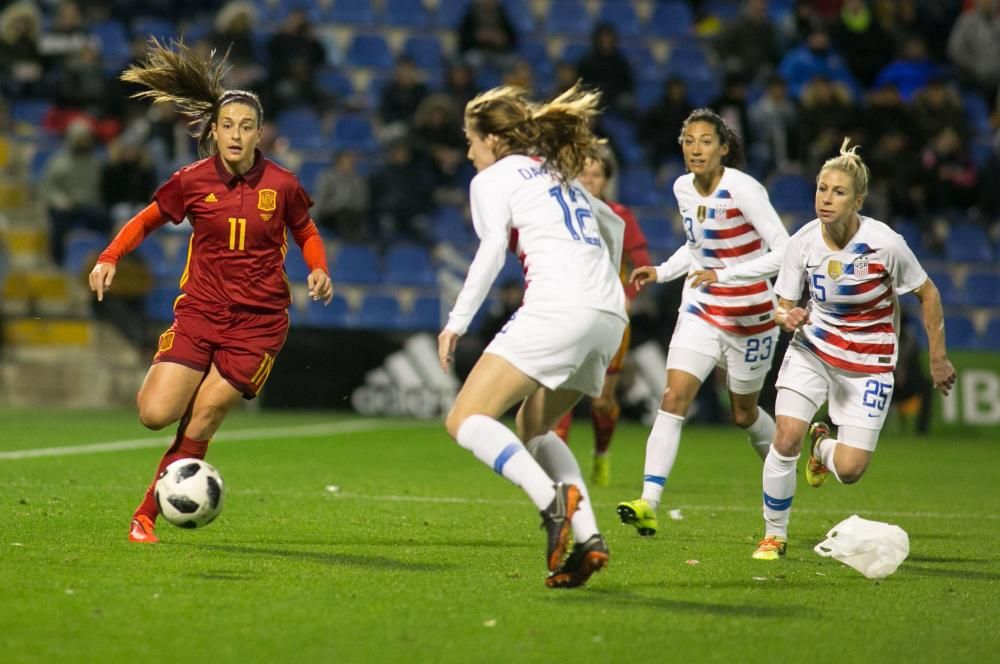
141, 530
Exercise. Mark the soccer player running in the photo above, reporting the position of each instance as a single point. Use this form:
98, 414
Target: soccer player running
231, 319
605, 409
844, 347
558, 344
735, 241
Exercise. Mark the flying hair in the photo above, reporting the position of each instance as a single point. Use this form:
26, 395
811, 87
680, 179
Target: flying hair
177, 74
850, 162
558, 131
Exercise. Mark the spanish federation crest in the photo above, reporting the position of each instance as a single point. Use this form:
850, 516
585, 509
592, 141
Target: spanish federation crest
834, 269
267, 200
861, 267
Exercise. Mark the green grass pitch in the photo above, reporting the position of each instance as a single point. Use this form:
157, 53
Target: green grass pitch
422, 554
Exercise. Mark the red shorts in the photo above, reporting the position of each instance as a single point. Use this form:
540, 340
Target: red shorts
619, 359
242, 344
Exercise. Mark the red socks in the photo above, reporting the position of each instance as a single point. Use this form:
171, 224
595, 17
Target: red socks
562, 429
604, 428
186, 448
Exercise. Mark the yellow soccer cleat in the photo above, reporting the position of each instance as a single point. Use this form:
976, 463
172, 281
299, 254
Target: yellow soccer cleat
638, 513
600, 472
771, 547
816, 472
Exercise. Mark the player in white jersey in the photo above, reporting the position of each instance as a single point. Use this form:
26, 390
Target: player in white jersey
735, 241
556, 347
844, 348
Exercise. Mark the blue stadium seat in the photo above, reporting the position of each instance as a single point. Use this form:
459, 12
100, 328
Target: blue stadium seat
336, 314
950, 295
426, 314
724, 10
425, 51
659, 234
990, 340
334, 82
621, 15
982, 289
672, 19
574, 51
353, 133
960, 332
686, 56
568, 18
154, 26
29, 111
521, 15
380, 312
356, 264
968, 242
295, 265
302, 127
115, 48
369, 51
450, 12
977, 112
792, 192
407, 13
449, 225
352, 12
512, 270
81, 249
637, 187
158, 304
409, 265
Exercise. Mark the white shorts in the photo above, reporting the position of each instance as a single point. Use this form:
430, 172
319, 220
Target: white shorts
698, 347
561, 348
856, 400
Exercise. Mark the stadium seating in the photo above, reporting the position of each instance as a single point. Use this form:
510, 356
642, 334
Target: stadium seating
409, 265
379, 312
353, 12
153, 26
637, 187
671, 20
425, 51
115, 47
659, 234
960, 332
568, 18
303, 128
295, 265
356, 264
336, 314
426, 314
353, 132
990, 339
371, 51
950, 295
982, 289
159, 303
623, 17
968, 242
81, 248
407, 13
335, 83
792, 193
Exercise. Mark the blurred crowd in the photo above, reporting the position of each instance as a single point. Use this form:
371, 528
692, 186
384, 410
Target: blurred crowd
913, 81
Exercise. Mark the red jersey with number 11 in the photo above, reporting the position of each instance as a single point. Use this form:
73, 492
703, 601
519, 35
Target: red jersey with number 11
237, 252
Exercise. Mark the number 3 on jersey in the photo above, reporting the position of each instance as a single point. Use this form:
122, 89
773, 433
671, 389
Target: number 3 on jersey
580, 213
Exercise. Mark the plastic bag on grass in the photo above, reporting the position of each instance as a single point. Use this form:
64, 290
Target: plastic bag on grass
873, 548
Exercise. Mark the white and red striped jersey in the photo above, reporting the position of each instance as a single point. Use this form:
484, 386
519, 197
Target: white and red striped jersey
852, 292
569, 242
734, 231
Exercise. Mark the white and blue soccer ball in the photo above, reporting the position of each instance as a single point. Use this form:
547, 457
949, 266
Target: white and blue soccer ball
189, 493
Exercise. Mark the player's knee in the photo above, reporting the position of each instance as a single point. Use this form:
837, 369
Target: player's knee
156, 417
787, 443
453, 422
744, 417
850, 474
674, 403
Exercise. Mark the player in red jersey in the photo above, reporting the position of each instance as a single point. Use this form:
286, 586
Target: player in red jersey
604, 410
231, 318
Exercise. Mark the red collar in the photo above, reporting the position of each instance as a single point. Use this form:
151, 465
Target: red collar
251, 177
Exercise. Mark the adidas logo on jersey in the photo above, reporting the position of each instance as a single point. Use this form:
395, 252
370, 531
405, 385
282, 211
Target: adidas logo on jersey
211, 199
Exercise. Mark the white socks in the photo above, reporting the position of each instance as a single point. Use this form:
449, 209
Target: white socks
498, 447
761, 433
661, 451
555, 457
825, 451
779, 489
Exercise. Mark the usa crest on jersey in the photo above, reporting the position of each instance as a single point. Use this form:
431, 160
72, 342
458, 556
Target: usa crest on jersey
861, 268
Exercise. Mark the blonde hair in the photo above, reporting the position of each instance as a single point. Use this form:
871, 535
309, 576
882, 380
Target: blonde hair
178, 74
850, 162
558, 131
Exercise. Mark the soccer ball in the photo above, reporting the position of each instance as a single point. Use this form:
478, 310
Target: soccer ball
189, 493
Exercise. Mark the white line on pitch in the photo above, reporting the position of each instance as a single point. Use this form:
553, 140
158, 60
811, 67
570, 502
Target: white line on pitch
301, 431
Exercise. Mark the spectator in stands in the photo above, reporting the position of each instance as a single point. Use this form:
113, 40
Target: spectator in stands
459, 83
66, 37
774, 128
814, 57
519, 74
233, 319
565, 75
80, 84
71, 188
974, 46
486, 33
402, 193
295, 55
827, 114
660, 125
20, 59
949, 173
343, 198
402, 93
935, 106
605, 67
911, 70
437, 132
865, 45
884, 111
127, 177
747, 47
731, 106
233, 37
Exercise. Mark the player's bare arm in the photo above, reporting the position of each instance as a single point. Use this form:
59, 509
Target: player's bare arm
100, 279
789, 316
942, 372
